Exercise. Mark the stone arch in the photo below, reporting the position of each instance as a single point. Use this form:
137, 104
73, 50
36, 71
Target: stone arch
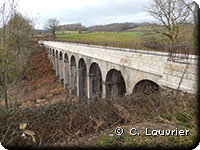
115, 84
56, 54
146, 87
51, 55
95, 81
82, 77
57, 64
53, 58
66, 71
66, 58
53, 52
73, 76
61, 67
46, 49
61, 55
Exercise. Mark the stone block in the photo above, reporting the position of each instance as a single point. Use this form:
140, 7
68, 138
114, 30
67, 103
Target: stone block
168, 66
188, 83
192, 76
173, 79
192, 69
179, 68
178, 74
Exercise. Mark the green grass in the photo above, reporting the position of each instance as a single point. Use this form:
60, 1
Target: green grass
104, 36
146, 141
69, 32
139, 34
185, 34
143, 28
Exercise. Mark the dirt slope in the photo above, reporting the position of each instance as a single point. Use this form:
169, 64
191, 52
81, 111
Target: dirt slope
41, 84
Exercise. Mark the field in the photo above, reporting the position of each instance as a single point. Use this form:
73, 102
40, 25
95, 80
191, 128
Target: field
104, 36
68, 32
141, 37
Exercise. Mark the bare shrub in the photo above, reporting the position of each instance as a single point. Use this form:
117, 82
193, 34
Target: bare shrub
68, 121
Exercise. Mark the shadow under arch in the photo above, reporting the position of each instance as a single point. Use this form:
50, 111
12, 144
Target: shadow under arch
95, 81
53, 52
115, 84
82, 77
66, 71
57, 64
73, 76
61, 67
61, 56
145, 87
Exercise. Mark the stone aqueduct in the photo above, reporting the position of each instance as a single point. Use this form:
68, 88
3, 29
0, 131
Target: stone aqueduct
98, 72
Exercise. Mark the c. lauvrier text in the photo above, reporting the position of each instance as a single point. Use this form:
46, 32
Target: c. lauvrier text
169, 132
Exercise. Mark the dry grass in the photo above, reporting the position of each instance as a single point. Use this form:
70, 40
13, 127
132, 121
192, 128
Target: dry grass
65, 123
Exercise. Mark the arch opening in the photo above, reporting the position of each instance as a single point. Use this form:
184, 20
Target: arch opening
56, 54
57, 65
53, 53
61, 56
50, 55
61, 68
66, 58
82, 78
73, 76
145, 87
115, 84
95, 81
66, 71
53, 59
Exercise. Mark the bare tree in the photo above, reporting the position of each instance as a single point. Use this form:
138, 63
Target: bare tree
15, 35
192, 7
171, 14
52, 26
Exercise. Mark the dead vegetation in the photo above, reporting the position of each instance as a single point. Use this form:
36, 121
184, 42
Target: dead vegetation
67, 121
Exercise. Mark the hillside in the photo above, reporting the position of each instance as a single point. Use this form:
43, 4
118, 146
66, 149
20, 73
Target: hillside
40, 85
114, 27
143, 37
71, 27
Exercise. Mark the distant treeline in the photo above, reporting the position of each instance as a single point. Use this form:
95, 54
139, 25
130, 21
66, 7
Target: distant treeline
71, 27
114, 27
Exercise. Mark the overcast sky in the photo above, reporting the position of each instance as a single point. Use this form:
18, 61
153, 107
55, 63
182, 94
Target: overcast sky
88, 12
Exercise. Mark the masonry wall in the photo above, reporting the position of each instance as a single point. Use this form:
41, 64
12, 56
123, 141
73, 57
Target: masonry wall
183, 74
